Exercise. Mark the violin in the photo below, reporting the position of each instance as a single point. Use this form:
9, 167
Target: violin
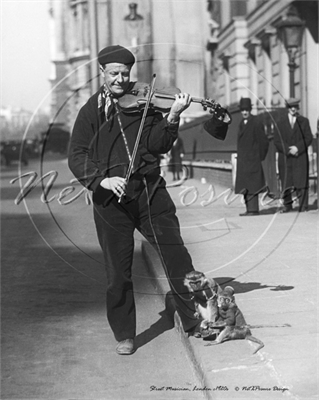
162, 100
142, 95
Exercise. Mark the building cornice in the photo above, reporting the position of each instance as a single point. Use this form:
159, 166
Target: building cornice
251, 45
265, 15
231, 32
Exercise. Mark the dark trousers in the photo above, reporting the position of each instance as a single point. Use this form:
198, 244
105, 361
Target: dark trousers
288, 187
302, 195
158, 223
251, 202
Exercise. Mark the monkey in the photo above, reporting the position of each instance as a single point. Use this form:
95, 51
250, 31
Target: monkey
232, 315
237, 332
204, 294
231, 320
221, 317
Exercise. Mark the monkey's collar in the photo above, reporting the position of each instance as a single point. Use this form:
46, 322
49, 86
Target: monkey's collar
204, 295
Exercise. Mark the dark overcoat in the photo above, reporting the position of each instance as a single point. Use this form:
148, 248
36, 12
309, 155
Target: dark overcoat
252, 147
176, 152
293, 171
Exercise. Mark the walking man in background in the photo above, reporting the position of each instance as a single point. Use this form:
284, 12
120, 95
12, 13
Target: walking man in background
176, 157
292, 138
252, 147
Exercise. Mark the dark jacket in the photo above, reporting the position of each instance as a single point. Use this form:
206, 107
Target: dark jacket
97, 149
252, 147
293, 171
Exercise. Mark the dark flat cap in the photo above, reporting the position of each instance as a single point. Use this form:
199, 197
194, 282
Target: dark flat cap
115, 54
292, 102
245, 103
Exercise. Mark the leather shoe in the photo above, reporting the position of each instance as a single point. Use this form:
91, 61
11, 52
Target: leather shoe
286, 209
195, 331
126, 347
249, 214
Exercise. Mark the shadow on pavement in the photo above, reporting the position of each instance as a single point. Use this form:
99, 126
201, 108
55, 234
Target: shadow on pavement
165, 323
244, 287
270, 210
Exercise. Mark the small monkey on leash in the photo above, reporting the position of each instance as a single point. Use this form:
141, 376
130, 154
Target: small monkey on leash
222, 320
204, 293
231, 320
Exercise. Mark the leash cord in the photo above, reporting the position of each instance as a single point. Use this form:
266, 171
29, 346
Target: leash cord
158, 246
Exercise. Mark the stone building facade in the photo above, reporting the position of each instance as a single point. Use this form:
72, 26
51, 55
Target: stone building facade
220, 49
253, 62
169, 39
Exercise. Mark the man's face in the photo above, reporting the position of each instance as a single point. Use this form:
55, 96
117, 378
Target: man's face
245, 113
116, 78
293, 110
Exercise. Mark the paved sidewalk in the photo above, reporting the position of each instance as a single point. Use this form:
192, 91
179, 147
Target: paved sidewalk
55, 340
56, 343
272, 262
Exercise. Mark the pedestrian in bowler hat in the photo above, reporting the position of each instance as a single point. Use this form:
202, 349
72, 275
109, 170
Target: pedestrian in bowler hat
252, 147
292, 138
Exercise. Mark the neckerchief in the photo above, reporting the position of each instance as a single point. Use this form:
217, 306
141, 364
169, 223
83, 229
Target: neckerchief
105, 101
108, 103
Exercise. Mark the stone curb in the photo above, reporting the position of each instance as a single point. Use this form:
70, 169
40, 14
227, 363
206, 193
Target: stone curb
154, 267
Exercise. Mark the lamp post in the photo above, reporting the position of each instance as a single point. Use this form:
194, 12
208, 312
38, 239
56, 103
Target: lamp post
291, 30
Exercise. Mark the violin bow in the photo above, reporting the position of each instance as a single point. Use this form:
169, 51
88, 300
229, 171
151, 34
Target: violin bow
138, 138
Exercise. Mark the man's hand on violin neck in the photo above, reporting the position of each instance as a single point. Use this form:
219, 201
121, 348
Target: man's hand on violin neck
181, 103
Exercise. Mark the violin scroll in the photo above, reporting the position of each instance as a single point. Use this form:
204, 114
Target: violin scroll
215, 108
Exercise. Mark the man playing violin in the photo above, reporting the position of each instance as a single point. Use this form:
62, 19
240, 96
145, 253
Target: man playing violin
101, 149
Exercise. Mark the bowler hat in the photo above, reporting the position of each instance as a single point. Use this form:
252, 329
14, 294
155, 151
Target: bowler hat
115, 54
292, 102
245, 103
